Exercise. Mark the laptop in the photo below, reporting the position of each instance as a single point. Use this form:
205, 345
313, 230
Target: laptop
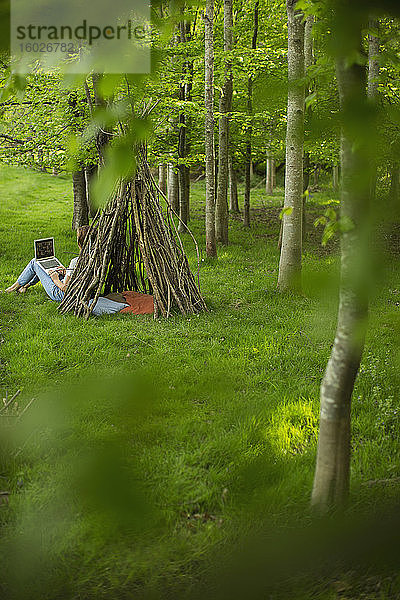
44, 254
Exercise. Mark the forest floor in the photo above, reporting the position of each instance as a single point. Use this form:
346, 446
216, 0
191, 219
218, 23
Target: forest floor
153, 447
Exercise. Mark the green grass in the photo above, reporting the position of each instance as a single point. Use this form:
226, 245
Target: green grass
152, 443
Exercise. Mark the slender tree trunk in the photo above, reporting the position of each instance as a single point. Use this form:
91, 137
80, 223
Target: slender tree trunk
335, 177
308, 61
289, 278
221, 205
91, 172
173, 187
248, 164
81, 209
233, 193
332, 474
187, 191
211, 248
162, 177
183, 204
183, 143
273, 172
269, 176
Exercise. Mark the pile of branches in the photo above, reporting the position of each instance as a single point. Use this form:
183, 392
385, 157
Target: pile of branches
133, 244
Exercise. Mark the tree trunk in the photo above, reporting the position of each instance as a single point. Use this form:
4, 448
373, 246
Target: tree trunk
183, 143
269, 176
90, 172
162, 177
308, 61
233, 193
211, 248
221, 205
81, 209
332, 474
248, 165
173, 187
187, 191
335, 177
183, 203
289, 278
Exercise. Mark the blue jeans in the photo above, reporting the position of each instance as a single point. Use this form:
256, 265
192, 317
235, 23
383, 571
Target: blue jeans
33, 273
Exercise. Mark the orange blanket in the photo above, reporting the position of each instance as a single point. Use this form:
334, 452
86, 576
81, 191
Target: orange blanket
139, 304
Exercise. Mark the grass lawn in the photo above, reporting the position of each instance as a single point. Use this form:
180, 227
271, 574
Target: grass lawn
152, 444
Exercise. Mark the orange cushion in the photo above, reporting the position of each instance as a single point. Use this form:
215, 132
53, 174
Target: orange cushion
139, 304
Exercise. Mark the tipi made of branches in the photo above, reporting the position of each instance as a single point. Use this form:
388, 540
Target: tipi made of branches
133, 244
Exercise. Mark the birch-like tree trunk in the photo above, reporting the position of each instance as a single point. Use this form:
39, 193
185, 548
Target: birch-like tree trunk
248, 165
81, 209
211, 248
221, 204
269, 175
162, 177
173, 187
91, 172
308, 61
332, 474
289, 278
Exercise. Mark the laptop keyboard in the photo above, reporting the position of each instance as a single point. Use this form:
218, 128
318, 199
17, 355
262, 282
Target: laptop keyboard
49, 263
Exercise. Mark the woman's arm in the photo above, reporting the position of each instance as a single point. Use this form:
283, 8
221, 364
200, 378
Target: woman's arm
62, 285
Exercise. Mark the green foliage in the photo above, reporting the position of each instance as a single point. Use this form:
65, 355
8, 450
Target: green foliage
333, 225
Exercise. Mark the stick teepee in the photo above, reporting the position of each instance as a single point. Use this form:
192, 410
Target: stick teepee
133, 244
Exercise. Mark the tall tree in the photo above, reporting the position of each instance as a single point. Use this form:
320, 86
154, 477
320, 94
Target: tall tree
183, 141
221, 206
246, 208
308, 61
332, 473
211, 248
289, 278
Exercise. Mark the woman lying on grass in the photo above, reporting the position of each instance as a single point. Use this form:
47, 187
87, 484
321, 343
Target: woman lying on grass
55, 286
52, 283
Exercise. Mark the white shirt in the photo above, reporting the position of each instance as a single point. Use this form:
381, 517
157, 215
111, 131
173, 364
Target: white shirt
72, 266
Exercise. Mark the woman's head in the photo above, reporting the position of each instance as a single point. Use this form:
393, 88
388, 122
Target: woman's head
81, 234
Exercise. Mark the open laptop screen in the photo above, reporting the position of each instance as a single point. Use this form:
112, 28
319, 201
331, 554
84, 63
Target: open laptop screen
44, 248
